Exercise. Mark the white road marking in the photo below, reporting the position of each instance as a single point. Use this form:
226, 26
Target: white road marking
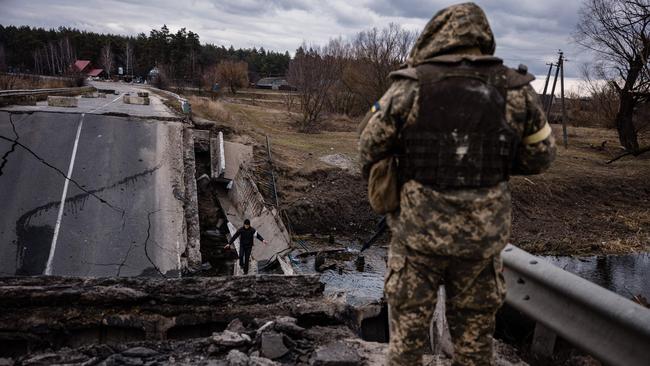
57, 227
105, 105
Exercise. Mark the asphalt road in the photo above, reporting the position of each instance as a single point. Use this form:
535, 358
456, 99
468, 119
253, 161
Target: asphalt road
124, 219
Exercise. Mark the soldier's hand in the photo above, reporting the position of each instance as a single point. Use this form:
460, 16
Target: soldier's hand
265, 242
227, 246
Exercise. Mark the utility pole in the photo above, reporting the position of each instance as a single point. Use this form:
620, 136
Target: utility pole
564, 117
548, 77
550, 100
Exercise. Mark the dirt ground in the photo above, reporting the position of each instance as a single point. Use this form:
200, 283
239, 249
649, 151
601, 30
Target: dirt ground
580, 206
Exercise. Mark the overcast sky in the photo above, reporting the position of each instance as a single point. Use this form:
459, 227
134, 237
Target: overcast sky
527, 31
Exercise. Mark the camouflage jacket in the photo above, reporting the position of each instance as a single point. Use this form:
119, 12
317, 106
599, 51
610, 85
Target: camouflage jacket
473, 223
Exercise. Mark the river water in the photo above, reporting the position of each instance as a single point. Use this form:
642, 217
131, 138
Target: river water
627, 275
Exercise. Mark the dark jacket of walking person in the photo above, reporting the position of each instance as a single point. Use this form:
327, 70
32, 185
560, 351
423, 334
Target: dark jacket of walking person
458, 123
246, 235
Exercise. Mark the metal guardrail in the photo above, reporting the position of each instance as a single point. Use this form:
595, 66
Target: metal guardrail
28, 92
610, 327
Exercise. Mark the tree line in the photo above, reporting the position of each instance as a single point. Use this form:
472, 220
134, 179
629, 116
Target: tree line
181, 55
346, 76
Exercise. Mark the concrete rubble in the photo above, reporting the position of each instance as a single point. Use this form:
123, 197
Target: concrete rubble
57, 101
138, 100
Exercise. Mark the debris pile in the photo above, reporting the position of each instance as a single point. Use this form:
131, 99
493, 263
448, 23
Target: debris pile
275, 341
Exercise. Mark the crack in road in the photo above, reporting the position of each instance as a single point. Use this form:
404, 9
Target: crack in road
23, 221
126, 256
146, 241
5, 157
65, 176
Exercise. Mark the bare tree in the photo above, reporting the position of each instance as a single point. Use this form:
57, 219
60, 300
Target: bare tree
234, 74
376, 53
314, 72
106, 59
128, 53
3, 59
618, 31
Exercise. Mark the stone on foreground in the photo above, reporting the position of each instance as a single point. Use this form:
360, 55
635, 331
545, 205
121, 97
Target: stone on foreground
335, 354
273, 346
230, 339
57, 101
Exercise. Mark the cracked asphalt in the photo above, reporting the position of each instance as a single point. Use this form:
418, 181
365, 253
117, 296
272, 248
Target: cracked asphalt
119, 215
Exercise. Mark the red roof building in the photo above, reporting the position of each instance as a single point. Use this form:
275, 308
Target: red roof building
82, 65
85, 67
95, 72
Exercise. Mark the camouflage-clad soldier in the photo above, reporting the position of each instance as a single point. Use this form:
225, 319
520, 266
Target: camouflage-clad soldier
460, 123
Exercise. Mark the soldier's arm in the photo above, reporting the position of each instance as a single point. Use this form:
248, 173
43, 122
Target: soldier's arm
537, 149
378, 138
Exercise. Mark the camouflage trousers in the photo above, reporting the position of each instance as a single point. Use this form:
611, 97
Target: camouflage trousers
475, 291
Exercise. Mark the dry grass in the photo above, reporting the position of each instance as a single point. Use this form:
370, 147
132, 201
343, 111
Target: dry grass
291, 147
295, 147
209, 109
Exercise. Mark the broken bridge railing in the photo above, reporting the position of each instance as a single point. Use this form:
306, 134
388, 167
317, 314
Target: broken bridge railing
606, 325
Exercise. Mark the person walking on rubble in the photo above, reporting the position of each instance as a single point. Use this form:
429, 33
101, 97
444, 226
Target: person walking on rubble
455, 124
246, 235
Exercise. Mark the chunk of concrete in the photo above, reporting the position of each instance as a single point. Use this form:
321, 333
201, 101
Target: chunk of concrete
273, 346
237, 358
230, 339
128, 99
288, 326
335, 354
57, 101
236, 326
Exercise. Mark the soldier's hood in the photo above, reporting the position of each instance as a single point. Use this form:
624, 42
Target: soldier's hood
451, 29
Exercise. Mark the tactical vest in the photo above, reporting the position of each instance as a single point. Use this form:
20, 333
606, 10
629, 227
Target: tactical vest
461, 138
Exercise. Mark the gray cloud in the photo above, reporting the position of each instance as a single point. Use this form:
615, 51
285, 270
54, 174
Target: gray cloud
527, 31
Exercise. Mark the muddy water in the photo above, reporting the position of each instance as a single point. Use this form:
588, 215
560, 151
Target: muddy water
358, 284
627, 275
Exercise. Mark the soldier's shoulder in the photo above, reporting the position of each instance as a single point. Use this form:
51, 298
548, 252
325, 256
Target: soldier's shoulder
519, 77
404, 73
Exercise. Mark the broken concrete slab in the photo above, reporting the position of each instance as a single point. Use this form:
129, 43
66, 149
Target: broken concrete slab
129, 99
57, 101
335, 354
235, 155
249, 203
145, 308
192, 252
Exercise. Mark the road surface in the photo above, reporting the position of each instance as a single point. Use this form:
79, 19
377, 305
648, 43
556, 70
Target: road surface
120, 213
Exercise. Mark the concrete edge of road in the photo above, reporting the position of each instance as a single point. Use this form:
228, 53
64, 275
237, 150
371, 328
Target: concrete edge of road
191, 257
110, 114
